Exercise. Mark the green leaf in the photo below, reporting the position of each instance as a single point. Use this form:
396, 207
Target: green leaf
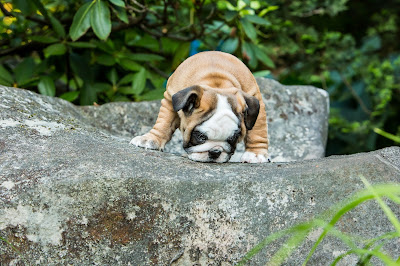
101, 87
46, 86
57, 26
182, 52
249, 29
262, 73
156, 94
268, 9
230, 15
5, 77
26, 7
121, 98
262, 56
139, 82
24, 70
113, 76
126, 79
55, 49
81, 22
44, 39
55, 23
118, 3
121, 14
70, 96
81, 45
100, 20
143, 57
247, 50
88, 94
129, 64
105, 59
387, 135
230, 45
258, 20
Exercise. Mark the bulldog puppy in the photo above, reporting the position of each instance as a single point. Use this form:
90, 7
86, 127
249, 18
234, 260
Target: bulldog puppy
215, 101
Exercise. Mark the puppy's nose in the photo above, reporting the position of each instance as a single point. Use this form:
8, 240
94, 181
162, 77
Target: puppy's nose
214, 154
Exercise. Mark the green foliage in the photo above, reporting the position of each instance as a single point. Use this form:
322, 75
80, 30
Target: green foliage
114, 50
370, 247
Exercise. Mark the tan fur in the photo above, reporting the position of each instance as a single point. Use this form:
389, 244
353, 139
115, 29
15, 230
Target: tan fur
215, 72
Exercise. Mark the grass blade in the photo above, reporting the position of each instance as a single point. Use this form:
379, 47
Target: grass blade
357, 199
389, 213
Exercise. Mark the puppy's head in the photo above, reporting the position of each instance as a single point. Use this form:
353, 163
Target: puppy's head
213, 123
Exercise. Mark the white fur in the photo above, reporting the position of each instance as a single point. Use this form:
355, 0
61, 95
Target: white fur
208, 145
218, 128
250, 157
203, 157
223, 123
144, 142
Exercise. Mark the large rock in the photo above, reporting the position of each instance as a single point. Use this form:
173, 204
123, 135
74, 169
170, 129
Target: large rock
72, 193
297, 121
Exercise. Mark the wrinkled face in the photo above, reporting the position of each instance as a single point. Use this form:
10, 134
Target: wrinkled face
215, 139
211, 123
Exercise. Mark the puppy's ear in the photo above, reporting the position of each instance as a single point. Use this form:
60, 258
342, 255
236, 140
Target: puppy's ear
187, 100
251, 112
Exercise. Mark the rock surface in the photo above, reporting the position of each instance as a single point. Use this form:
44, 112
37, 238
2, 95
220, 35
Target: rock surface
297, 121
72, 193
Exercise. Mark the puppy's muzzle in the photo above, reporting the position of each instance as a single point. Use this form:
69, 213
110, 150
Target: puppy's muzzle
214, 153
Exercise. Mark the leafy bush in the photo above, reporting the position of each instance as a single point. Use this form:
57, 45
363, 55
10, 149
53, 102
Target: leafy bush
124, 50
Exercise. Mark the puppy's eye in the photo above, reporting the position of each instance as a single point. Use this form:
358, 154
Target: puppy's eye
198, 137
233, 139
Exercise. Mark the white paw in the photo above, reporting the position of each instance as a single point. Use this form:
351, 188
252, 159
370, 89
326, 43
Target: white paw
144, 142
250, 157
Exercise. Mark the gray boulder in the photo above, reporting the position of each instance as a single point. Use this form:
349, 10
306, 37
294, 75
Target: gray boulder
73, 193
297, 121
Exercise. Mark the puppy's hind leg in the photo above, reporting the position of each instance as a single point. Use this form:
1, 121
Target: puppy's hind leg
166, 124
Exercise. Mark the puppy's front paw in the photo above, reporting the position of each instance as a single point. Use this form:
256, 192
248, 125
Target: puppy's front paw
146, 142
251, 157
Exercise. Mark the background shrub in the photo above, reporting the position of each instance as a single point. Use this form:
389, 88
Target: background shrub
124, 50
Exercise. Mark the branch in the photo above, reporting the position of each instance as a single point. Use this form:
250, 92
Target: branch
355, 95
157, 70
174, 37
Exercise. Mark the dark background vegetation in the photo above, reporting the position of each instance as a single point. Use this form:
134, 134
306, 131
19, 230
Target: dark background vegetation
124, 50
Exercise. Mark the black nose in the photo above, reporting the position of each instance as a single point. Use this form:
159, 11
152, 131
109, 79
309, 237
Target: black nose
214, 154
